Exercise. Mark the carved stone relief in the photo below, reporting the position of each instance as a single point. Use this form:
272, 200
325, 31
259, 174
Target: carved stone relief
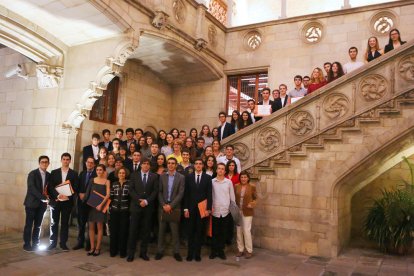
301, 123
373, 87
179, 11
382, 22
160, 20
312, 32
253, 40
269, 139
48, 76
212, 36
200, 44
241, 151
336, 105
406, 68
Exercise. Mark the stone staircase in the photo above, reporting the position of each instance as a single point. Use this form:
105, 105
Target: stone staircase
378, 90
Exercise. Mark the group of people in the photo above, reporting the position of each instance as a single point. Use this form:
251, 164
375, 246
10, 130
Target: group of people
150, 183
172, 179
280, 97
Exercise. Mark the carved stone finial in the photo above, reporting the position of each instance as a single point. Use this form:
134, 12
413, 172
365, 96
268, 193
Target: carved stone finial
160, 20
48, 76
200, 44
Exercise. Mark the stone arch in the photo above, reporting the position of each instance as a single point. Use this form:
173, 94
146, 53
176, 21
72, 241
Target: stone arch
380, 154
107, 72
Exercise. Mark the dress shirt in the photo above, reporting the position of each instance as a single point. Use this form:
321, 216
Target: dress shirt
135, 166
222, 129
251, 114
282, 100
95, 150
43, 175
167, 150
170, 185
144, 176
106, 144
64, 175
223, 159
223, 193
197, 176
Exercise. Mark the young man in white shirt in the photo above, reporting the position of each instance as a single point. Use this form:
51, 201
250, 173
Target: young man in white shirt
229, 156
353, 64
223, 194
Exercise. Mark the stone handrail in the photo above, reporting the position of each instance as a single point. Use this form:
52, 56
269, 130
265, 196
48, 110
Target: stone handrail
353, 95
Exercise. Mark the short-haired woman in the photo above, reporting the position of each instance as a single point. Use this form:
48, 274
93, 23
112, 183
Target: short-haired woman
246, 200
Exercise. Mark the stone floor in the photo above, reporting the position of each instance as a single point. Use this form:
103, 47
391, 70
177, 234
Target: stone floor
14, 261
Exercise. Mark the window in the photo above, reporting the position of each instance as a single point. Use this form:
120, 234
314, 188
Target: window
104, 109
242, 88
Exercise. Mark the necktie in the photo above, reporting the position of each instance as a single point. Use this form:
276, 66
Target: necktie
198, 180
88, 176
135, 167
145, 179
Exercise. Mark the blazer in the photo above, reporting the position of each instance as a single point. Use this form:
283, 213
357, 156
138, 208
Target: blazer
129, 164
193, 193
277, 104
83, 186
177, 190
138, 191
109, 148
56, 179
228, 130
250, 196
390, 47
35, 193
87, 151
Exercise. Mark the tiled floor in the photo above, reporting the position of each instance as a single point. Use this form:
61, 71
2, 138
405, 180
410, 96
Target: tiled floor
14, 261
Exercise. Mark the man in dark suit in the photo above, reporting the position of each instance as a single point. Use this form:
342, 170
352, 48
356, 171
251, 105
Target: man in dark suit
135, 164
35, 204
107, 143
225, 129
82, 208
197, 189
266, 101
91, 150
283, 99
143, 191
171, 191
61, 205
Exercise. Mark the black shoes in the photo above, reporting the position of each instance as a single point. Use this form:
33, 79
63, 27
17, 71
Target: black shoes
177, 257
197, 258
28, 248
64, 247
159, 256
222, 256
213, 255
130, 259
77, 247
144, 256
97, 252
189, 258
91, 252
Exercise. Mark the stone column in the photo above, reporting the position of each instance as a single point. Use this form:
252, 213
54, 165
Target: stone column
201, 36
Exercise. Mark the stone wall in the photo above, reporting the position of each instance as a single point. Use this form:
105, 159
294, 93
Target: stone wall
144, 101
27, 117
362, 200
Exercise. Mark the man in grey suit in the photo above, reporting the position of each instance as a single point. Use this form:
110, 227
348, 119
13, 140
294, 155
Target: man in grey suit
171, 191
35, 204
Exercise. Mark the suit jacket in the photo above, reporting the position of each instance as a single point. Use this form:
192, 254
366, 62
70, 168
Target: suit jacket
56, 179
130, 166
138, 191
277, 104
177, 192
83, 185
228, 130
250, 196
35, 192
193, 193
109, 148
88, 151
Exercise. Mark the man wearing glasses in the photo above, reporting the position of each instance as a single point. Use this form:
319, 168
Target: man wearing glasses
35, 204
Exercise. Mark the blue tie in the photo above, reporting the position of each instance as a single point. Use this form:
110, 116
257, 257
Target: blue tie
145, 179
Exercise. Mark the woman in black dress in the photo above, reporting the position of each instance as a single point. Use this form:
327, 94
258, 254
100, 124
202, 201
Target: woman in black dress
119, 221
394, 42
97, 216
373, 49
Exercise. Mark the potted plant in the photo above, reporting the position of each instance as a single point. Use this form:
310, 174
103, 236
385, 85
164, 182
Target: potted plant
390, 221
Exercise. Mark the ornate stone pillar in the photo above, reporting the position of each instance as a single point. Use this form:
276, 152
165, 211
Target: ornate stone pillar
201, 37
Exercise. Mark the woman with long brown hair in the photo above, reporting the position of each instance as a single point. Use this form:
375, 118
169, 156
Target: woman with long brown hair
373, 49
